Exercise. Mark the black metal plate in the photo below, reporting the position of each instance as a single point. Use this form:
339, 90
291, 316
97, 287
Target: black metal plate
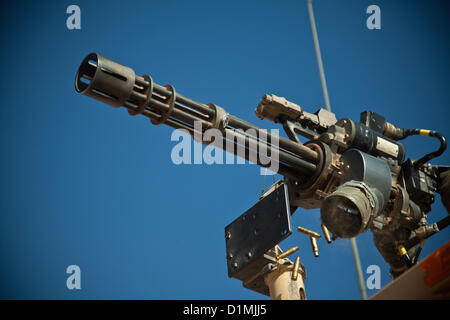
256, 231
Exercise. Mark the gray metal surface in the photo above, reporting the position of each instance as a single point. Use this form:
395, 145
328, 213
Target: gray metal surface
364, 167
256, 231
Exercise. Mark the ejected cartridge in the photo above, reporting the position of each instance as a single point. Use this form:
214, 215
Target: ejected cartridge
287, 253
314, 246
295, 269
308, 232
326, 234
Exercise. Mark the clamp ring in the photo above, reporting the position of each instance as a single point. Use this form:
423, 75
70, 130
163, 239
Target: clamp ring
220, 118
173, 97
148, 92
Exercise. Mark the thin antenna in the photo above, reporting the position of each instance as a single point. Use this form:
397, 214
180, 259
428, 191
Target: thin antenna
361, 283
362, 288
318, 55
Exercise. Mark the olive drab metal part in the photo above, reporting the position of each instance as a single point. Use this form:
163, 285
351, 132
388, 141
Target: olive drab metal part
354, 171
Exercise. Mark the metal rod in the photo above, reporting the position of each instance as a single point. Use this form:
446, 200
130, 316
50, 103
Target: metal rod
191, 111
177, 113
185, 100
300, 164
282, 168
362, 287
285, 143
318, 55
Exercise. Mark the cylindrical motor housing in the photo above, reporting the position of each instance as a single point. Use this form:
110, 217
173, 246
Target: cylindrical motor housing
363, 138
360, 166
377, 144
366, 189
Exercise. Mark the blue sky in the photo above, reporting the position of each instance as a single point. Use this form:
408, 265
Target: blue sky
86, 184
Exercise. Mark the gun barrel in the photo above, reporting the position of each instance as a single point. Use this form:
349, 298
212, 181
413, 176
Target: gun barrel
117, 85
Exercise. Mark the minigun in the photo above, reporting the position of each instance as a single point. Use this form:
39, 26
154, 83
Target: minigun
355, 172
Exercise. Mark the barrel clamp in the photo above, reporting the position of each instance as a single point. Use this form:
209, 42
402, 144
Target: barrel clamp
220, 120
171, 102
148, 93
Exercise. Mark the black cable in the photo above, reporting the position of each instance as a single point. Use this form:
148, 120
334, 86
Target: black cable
418, 251
426, 158
441, 224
